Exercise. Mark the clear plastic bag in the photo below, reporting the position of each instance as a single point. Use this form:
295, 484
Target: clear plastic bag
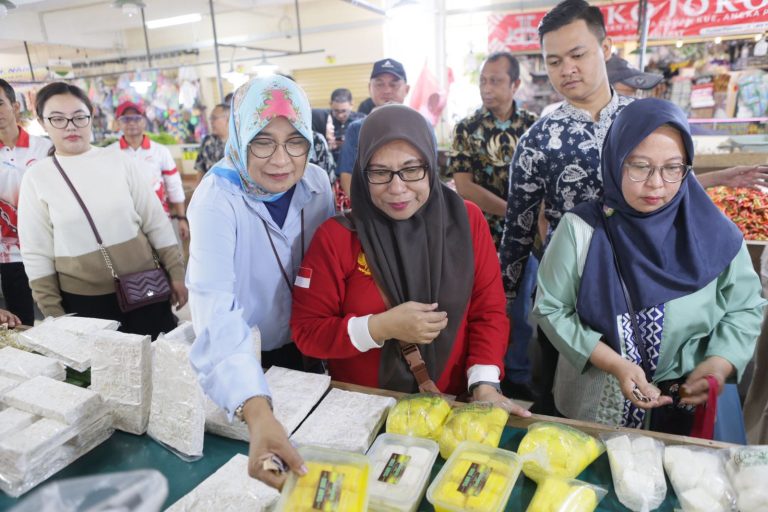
555, 494
554, 449
638, 470
747, 468
699, 479
21, 365
420, 415
130, 491
480, 422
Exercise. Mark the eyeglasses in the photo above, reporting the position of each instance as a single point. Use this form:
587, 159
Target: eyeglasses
61, 122
383, 176
131, 118
265, 148
672, 173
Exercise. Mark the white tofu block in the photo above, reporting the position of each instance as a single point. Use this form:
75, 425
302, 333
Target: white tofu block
74, 350
699, 500
619, 443
7, 384
12, 420
177, 413
20, 448
229, 489
344, 420
122, 375
183, 332
294, 394
84, 325
52, 399
21, 365
217, 422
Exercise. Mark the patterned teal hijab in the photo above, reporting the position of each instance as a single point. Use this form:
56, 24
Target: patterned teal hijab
254, 105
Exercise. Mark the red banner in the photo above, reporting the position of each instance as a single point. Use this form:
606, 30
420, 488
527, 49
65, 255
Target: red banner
669, 19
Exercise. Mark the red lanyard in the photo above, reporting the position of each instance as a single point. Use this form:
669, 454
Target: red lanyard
277, 256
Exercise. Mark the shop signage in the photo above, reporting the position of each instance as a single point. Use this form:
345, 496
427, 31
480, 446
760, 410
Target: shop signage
669, 19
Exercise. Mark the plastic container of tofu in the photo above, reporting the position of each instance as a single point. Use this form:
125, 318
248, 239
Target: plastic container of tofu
336, 481
475, 478
400, 469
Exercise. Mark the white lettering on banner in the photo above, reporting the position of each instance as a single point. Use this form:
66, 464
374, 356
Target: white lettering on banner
722, 5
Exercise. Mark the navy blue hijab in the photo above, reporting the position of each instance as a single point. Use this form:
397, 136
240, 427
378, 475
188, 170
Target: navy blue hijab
665, 254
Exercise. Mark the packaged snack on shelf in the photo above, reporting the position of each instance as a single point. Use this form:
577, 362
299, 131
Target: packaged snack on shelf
53, 399
747, 468
699, 479
554, 494
74, 350
84, 325
229, 488
638, 470
177, 411
400, 469
122, 374
475, 478
20, 365
479, 422
337, 481
344, 420
554, 449
421, 415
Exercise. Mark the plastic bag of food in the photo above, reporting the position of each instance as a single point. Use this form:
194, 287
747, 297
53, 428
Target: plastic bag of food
554, 449
555, 494
747, 467
638, 470
481, 422
699, 479
420, 415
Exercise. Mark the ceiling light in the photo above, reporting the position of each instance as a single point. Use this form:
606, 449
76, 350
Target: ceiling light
129, 8
679, 44
718, 40
758, 37
236, 78
141, 86
264, 67
174, 20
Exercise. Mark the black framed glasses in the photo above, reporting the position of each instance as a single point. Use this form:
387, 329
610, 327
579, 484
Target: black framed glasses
61, 122
265, 148
383, 176
671, 173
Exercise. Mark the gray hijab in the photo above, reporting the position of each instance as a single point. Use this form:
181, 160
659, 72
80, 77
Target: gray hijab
426, 258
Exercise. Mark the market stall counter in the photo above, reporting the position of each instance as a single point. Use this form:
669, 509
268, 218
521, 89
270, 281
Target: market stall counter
124, 452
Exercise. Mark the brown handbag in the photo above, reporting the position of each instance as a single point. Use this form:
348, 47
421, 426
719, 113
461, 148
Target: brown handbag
133, 290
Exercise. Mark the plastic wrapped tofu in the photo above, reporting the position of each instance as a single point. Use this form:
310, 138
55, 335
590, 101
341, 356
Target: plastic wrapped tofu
699, 479
637, 469
217, 422
747, 467
74, 350
554, 494
420, 415
56, 400
229, 489
7, 384
122, 373
344, 420
21, 365
177, 413
84, 325
13, 420
183, 332
479, 422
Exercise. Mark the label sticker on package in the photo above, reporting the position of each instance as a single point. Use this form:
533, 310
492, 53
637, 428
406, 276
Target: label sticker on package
394, 469
474, 480
328, 492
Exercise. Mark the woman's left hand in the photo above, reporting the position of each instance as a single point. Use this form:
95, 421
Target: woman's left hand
179, 294
486, 393
695, 391
183, 229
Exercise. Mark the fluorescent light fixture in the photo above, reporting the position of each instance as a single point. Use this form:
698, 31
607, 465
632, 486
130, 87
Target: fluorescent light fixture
174, 20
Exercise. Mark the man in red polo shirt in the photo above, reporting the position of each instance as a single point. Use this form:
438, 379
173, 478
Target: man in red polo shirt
165, 178
18, 151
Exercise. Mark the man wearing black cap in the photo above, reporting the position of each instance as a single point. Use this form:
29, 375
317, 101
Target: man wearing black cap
388, 85
626, 80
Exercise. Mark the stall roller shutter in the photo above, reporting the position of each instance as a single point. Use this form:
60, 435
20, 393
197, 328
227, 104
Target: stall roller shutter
319, 83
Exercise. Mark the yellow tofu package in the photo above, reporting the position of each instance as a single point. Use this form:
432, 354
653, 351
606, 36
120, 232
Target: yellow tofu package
554, 449
419, 415
555, 494
480, 422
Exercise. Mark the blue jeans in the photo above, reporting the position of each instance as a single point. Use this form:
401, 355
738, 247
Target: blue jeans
518, 366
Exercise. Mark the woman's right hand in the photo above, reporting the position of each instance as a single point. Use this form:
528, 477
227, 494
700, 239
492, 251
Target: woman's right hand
631, 377
412, 322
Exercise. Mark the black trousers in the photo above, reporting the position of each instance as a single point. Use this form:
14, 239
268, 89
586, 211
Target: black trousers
18, 295
152, 319
543, 376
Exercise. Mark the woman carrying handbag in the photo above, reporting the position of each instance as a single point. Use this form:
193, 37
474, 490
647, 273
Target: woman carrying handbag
94, 237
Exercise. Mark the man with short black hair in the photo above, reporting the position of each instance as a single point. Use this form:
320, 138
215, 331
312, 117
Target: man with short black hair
18, 151
212, 148
342, 116
388, 85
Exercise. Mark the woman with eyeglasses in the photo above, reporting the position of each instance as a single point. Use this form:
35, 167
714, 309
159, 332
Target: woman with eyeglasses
405, 293
649, 291
252, 217
67, 270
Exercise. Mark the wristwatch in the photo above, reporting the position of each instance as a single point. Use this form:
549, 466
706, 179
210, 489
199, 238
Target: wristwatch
492, 384
239, 408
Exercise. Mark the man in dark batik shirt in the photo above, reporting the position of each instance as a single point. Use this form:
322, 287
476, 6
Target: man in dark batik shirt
212, 148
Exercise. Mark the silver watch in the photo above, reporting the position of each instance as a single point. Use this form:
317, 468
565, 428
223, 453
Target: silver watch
239, 408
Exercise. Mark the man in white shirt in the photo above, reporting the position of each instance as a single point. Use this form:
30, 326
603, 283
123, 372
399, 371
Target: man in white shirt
18, 150
156, 157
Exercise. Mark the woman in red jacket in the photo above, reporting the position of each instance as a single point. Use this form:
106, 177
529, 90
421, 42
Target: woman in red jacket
405, 293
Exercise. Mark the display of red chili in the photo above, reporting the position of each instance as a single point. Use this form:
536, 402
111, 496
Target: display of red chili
747, 208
